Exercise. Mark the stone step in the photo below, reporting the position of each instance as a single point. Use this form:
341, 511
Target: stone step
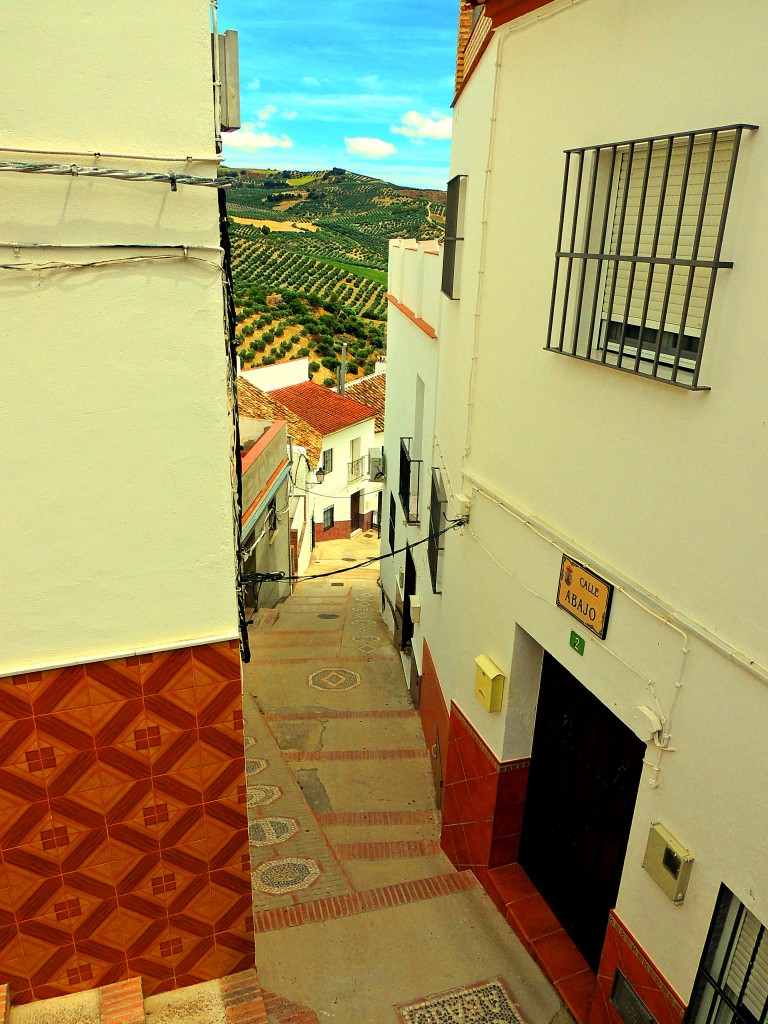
234, 999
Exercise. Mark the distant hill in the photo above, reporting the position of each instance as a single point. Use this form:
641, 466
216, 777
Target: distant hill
321, 238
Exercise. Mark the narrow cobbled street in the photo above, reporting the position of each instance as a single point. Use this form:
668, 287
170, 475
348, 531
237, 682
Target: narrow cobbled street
359, 916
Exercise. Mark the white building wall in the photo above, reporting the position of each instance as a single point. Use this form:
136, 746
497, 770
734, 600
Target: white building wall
118, 498
661, 490
278, 375
336, 489
414, 281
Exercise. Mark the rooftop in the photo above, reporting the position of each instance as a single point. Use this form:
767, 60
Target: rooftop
371, 391
322, 408
257, 404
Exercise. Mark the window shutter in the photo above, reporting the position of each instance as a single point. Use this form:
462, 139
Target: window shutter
756, 993
624, 236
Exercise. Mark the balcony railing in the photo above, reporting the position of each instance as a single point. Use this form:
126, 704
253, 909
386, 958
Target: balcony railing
410, 481
356, 468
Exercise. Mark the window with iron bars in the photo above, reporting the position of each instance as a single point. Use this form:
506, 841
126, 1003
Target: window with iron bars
732, 983
639, 249
453, 243
328, 517
438, 505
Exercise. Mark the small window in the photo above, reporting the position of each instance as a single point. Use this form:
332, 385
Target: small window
438, 506
392, 523
328, 519
328, 460
453, 244
272, 517
639, 251
732, 984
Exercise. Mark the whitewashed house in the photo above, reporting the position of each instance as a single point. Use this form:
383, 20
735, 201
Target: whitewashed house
589, 391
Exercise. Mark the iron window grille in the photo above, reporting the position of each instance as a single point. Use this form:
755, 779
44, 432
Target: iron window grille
328, 460
732, 983
328, 517
410, 481
438, 506
356, 469
392, 523
453, 243
639, 248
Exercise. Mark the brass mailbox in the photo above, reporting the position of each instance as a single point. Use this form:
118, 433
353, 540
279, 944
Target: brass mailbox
489, 683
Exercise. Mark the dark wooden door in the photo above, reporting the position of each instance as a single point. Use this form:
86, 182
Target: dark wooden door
585, 772
354, 510
409, 588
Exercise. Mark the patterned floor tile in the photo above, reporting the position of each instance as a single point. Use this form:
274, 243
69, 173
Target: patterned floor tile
487, 1002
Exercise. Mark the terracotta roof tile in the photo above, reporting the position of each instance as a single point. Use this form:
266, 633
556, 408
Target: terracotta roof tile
257, 404
371, 391
323, 409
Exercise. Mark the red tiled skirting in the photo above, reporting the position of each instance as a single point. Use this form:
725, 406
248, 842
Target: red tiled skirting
623, 952
330, 818
334, 907
434, 714
354, 755
543, 936
339, 531
483, 802
123, 825
302, 716
401, 849
243, 1001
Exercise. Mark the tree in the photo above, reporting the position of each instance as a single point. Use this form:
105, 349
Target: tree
314, 367
329, 382
265, 229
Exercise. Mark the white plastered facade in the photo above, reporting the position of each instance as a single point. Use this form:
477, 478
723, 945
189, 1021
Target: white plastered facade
661, 490
117, 524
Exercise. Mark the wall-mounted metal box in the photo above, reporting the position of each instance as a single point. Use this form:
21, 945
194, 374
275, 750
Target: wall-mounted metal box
668, 862
229, 76
415, 608
489, 683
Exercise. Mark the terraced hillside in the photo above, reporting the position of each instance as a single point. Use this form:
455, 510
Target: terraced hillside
321, 239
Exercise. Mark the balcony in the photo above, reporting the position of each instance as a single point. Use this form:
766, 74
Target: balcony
410, 481
356, 469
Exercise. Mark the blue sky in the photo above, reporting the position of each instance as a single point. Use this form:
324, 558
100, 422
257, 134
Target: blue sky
361, 84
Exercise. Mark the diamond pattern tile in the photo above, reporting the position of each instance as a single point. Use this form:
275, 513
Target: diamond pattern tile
123, 825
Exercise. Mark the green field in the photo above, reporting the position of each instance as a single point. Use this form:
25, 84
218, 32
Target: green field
337, 272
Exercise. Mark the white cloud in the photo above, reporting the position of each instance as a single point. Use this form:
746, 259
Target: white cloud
374, 149
254, 84
290, 115
251, 141
266, 112
419, 126
310, 80
369, 81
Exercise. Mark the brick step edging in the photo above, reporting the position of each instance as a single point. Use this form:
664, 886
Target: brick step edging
334, 907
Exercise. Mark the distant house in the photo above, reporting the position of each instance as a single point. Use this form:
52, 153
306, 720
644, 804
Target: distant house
278, 375
346, 498
301, 446
266, 509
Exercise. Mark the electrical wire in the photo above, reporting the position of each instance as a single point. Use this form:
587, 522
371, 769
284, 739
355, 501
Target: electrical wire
276, 577
214, 158
91, 264
75, 171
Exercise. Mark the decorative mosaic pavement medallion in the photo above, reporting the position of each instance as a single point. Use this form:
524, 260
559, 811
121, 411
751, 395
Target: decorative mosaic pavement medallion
285, 875
488, 1002
366, 648
254, 765
271, 831
249, 741
260, 796
334, 679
